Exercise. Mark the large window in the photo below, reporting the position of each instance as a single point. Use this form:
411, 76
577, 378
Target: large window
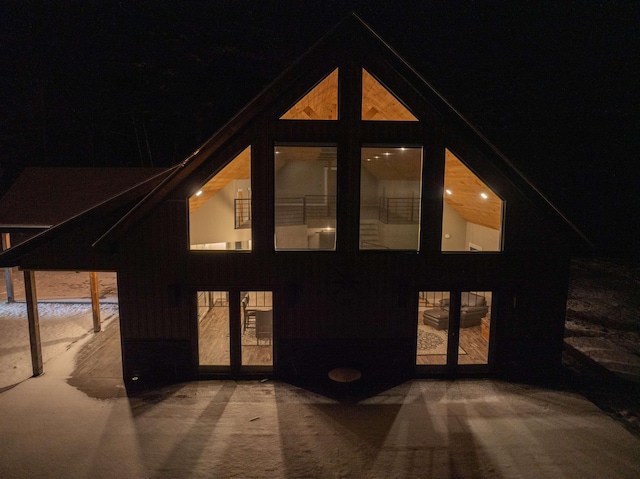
220, 210
305, 197
390, 186
472, 214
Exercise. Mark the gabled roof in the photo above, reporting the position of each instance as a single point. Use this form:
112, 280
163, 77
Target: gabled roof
353, 32
44, 197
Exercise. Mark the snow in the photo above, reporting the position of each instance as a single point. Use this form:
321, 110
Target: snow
50, 426
254, 429
65, 315
52, 311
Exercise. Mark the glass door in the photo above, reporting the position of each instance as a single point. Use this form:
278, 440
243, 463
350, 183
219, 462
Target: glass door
457, 332
235, 329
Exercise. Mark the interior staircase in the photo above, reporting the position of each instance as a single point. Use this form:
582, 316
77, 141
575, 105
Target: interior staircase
369, 234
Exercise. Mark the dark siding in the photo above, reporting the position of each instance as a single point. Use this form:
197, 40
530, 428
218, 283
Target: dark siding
153, 300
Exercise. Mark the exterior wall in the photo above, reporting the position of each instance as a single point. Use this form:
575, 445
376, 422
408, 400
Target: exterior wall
155, 313
334, 309
346, 307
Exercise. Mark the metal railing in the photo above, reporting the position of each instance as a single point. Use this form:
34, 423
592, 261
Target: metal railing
399, 210
299, 210
242, 213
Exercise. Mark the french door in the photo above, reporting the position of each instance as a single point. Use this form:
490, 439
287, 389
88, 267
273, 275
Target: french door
235, 330
454, 328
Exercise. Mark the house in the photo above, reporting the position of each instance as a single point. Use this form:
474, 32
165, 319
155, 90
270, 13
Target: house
348, 220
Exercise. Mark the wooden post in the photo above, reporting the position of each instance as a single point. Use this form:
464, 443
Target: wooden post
34, 321
8, 272
95, 302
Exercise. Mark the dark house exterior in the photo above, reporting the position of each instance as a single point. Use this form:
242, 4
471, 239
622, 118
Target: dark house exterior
347, 217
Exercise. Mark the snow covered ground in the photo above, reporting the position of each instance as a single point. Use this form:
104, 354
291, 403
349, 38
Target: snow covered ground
50, 427
65, 317
53, 426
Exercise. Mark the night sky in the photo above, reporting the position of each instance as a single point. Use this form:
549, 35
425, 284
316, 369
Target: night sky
554, 85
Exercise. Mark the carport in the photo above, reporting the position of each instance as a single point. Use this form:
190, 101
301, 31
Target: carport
44, 198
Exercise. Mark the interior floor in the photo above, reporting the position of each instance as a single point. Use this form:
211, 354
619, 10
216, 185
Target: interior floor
473, 344
214, 344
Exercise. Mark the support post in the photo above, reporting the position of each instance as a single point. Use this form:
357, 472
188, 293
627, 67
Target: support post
34, 321
8, 272
95, 302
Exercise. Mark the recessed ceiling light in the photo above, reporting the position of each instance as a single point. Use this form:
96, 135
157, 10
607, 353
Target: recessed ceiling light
386, 153
448, 191
484, 196
199, 193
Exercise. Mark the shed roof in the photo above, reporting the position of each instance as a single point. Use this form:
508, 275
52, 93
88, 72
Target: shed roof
101, 214
45, 196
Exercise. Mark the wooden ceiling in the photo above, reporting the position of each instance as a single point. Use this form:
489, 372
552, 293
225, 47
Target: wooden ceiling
238, 169
285, 154
321, 103
393, 164
379, 104
466, 194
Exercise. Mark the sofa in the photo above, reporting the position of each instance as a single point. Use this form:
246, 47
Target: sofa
473, 307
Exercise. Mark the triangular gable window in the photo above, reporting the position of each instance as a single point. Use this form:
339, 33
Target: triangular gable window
321, 103
380, 104
220, 211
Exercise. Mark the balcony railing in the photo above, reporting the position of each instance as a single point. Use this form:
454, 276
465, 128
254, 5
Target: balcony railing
242, 213
298, 210
399, 210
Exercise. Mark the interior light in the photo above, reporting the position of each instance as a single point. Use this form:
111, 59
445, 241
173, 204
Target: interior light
199, 192
484, 196
386, 153
448, 191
